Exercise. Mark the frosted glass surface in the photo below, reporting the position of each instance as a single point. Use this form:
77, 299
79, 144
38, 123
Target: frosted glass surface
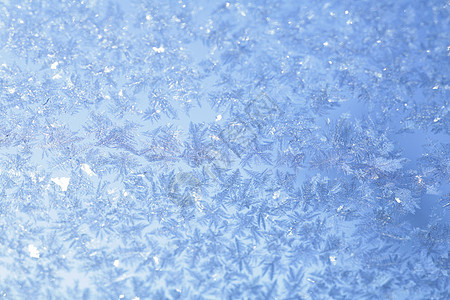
224, 150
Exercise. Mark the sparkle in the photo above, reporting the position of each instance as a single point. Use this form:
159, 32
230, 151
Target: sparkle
86, 168
159, 50
333, 260
62, 182
34, 252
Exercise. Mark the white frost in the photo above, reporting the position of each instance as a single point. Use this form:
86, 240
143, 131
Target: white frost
63, 182
57, 76
276, 195
159, 50
109, 69
34, 252
333, 260
86, 168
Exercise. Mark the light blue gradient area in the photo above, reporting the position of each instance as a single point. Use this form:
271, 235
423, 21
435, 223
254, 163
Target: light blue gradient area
224, 150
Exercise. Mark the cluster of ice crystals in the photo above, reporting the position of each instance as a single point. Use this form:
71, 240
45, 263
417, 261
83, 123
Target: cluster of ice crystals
236, 150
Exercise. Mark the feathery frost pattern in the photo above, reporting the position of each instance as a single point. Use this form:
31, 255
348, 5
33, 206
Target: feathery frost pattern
224, 150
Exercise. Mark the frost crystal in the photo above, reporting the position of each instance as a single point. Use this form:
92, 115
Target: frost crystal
34, 252
240, 150
62, 182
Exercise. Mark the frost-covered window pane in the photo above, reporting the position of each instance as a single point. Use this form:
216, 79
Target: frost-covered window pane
224, 150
